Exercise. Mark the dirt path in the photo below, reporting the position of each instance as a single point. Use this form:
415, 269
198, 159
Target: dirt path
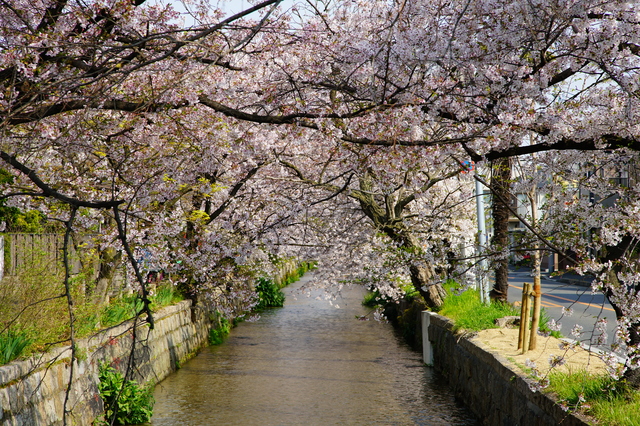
504, 342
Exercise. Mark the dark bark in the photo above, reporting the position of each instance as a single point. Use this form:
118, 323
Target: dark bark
110, 260
631, 376
500, 186
422, 277
614, 253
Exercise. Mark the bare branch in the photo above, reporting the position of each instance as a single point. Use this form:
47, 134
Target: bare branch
47, 191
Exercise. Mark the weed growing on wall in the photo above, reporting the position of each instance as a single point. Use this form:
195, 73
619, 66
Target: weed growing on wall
218, 334
125, 401
270, 296
12, 345
373, 299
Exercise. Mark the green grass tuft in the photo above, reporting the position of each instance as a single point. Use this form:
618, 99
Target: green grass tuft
120, 310
463, 306
601, 396
165, 295
372, 299
12, 346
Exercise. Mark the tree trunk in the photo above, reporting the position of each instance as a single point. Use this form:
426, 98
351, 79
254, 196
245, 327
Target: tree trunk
422, 279
423, 274
110, 260
631, 376
500, 185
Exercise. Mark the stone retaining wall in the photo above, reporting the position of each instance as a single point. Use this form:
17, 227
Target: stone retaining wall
497, 393
32, 392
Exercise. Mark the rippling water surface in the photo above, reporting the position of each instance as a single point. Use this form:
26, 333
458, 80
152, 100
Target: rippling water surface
308, 363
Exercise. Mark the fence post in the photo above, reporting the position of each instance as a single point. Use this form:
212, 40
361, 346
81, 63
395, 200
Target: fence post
427, 349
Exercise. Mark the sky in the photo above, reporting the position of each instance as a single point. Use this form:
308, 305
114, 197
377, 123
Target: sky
230, 7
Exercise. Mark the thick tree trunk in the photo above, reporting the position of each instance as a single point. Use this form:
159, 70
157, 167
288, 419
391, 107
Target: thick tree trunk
422, 277
500, 185
387, 216
631, 376
110, 260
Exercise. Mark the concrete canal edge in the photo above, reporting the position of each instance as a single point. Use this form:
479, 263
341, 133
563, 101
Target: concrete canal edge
32, 391
486, 382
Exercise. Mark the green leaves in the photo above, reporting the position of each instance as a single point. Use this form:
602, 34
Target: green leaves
218, 334
269, 294
125, 402
12, 345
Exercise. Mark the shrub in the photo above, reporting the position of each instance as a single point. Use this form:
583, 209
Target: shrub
269, 295
124, 400
218, 334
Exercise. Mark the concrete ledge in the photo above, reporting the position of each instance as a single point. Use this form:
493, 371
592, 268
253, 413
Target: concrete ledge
486, 382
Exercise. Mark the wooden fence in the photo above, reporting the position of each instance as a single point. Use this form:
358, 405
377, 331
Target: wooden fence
26, 250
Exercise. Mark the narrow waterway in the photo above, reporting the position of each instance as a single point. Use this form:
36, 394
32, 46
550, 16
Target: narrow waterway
308, 363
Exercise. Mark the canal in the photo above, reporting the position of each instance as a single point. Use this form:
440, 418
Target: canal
309, 363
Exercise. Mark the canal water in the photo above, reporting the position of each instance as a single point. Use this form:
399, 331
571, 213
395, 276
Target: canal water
309, 363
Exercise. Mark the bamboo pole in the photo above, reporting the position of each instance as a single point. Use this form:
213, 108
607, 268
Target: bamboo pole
524, 314
535, 322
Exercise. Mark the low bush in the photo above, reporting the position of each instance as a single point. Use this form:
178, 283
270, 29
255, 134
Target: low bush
218, 334
269, 295
125, 401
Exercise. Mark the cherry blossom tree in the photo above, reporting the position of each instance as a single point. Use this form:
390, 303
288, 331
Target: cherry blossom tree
418, 211
100, 130
487, 80
197, 130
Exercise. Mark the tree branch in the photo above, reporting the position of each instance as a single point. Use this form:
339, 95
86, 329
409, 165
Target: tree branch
47, 191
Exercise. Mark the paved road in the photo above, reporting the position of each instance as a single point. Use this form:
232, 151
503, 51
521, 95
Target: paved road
587, 307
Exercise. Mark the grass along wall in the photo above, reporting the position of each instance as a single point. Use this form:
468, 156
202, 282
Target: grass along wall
33, 391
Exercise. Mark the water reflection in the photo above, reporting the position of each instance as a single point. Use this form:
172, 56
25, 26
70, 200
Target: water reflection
308, 364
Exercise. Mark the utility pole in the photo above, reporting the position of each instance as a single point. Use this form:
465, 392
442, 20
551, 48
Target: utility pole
482, 243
